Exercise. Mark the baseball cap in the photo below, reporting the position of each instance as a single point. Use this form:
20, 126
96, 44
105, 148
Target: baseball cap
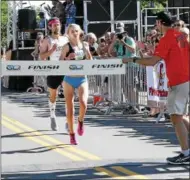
165, 18
120, 28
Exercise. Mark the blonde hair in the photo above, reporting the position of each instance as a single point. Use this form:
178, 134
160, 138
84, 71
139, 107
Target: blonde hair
74, 26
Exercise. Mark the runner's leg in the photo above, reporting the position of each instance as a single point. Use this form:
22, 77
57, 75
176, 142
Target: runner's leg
83, 100
69, 99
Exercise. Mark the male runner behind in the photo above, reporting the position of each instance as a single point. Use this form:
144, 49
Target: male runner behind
51, 48
174, 49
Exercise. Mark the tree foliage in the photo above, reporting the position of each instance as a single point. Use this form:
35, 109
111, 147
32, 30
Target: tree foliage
159, 5
4, 20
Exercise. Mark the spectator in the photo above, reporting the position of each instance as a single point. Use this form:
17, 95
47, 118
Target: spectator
38, 43
111, 53
55, 11
123, 45
92, 41
108, 38
58, 10
70, 12
185, 30
112, 35
102, 48
82, 36
42, 21
179, 24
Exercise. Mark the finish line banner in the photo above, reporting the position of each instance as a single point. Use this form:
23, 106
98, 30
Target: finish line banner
46, 68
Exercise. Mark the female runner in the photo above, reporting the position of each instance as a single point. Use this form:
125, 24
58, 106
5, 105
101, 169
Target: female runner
75, 49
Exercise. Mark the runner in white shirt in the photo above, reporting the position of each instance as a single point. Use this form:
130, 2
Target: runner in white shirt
51, 49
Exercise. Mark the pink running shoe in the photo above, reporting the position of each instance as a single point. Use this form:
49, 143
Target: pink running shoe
80, 128
72, 139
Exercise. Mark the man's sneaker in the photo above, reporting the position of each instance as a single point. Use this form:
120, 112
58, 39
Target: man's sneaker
53, 124
72, 139
80, 128
179, 160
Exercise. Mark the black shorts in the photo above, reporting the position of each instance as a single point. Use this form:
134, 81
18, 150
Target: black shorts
54, 82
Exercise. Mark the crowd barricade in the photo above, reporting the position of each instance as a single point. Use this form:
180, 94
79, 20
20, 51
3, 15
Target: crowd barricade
140, 87
120, 92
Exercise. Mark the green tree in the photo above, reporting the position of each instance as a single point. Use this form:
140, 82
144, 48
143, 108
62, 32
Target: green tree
159, 5
4, 20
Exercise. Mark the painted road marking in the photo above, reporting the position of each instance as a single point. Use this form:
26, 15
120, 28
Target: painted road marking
107, 172
53, 140
129, 172
38, 141
117, 173
10, 123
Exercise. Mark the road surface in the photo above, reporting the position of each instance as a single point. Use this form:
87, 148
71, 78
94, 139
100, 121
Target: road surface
113, 147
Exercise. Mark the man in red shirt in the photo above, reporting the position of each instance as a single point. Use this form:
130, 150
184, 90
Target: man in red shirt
174, 49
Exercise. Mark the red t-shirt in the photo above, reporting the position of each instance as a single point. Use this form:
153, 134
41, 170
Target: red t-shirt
174, 49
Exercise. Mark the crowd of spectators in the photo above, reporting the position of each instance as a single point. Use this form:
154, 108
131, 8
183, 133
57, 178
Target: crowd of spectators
112, 44
65, 11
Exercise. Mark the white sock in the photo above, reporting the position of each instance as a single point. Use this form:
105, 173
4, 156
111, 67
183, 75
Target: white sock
186, 152
52, 109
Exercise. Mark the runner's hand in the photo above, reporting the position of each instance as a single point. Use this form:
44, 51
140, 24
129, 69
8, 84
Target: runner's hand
71, 56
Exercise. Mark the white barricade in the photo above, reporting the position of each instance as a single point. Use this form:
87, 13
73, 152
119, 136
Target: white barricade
157, 83
134, 89
157, 88
41, 68
121, 92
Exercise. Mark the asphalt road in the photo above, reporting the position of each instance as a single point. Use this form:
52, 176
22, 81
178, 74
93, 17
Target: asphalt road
114, 146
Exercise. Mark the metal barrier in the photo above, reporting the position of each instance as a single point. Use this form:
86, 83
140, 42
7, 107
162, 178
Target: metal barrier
127, 93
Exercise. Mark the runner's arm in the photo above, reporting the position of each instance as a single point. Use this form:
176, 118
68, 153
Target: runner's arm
64, 53
45, 50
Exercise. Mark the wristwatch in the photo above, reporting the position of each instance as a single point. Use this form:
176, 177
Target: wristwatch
135, 59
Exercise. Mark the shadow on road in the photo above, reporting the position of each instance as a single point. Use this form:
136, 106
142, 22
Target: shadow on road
41, 149
32, 134
118, 170
133, 126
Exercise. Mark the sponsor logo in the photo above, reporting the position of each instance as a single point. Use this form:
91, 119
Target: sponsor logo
76, 67
43, 67
13, 67
107, 66
157, 92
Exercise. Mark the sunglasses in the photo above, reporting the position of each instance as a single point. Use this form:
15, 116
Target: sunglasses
177, 25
